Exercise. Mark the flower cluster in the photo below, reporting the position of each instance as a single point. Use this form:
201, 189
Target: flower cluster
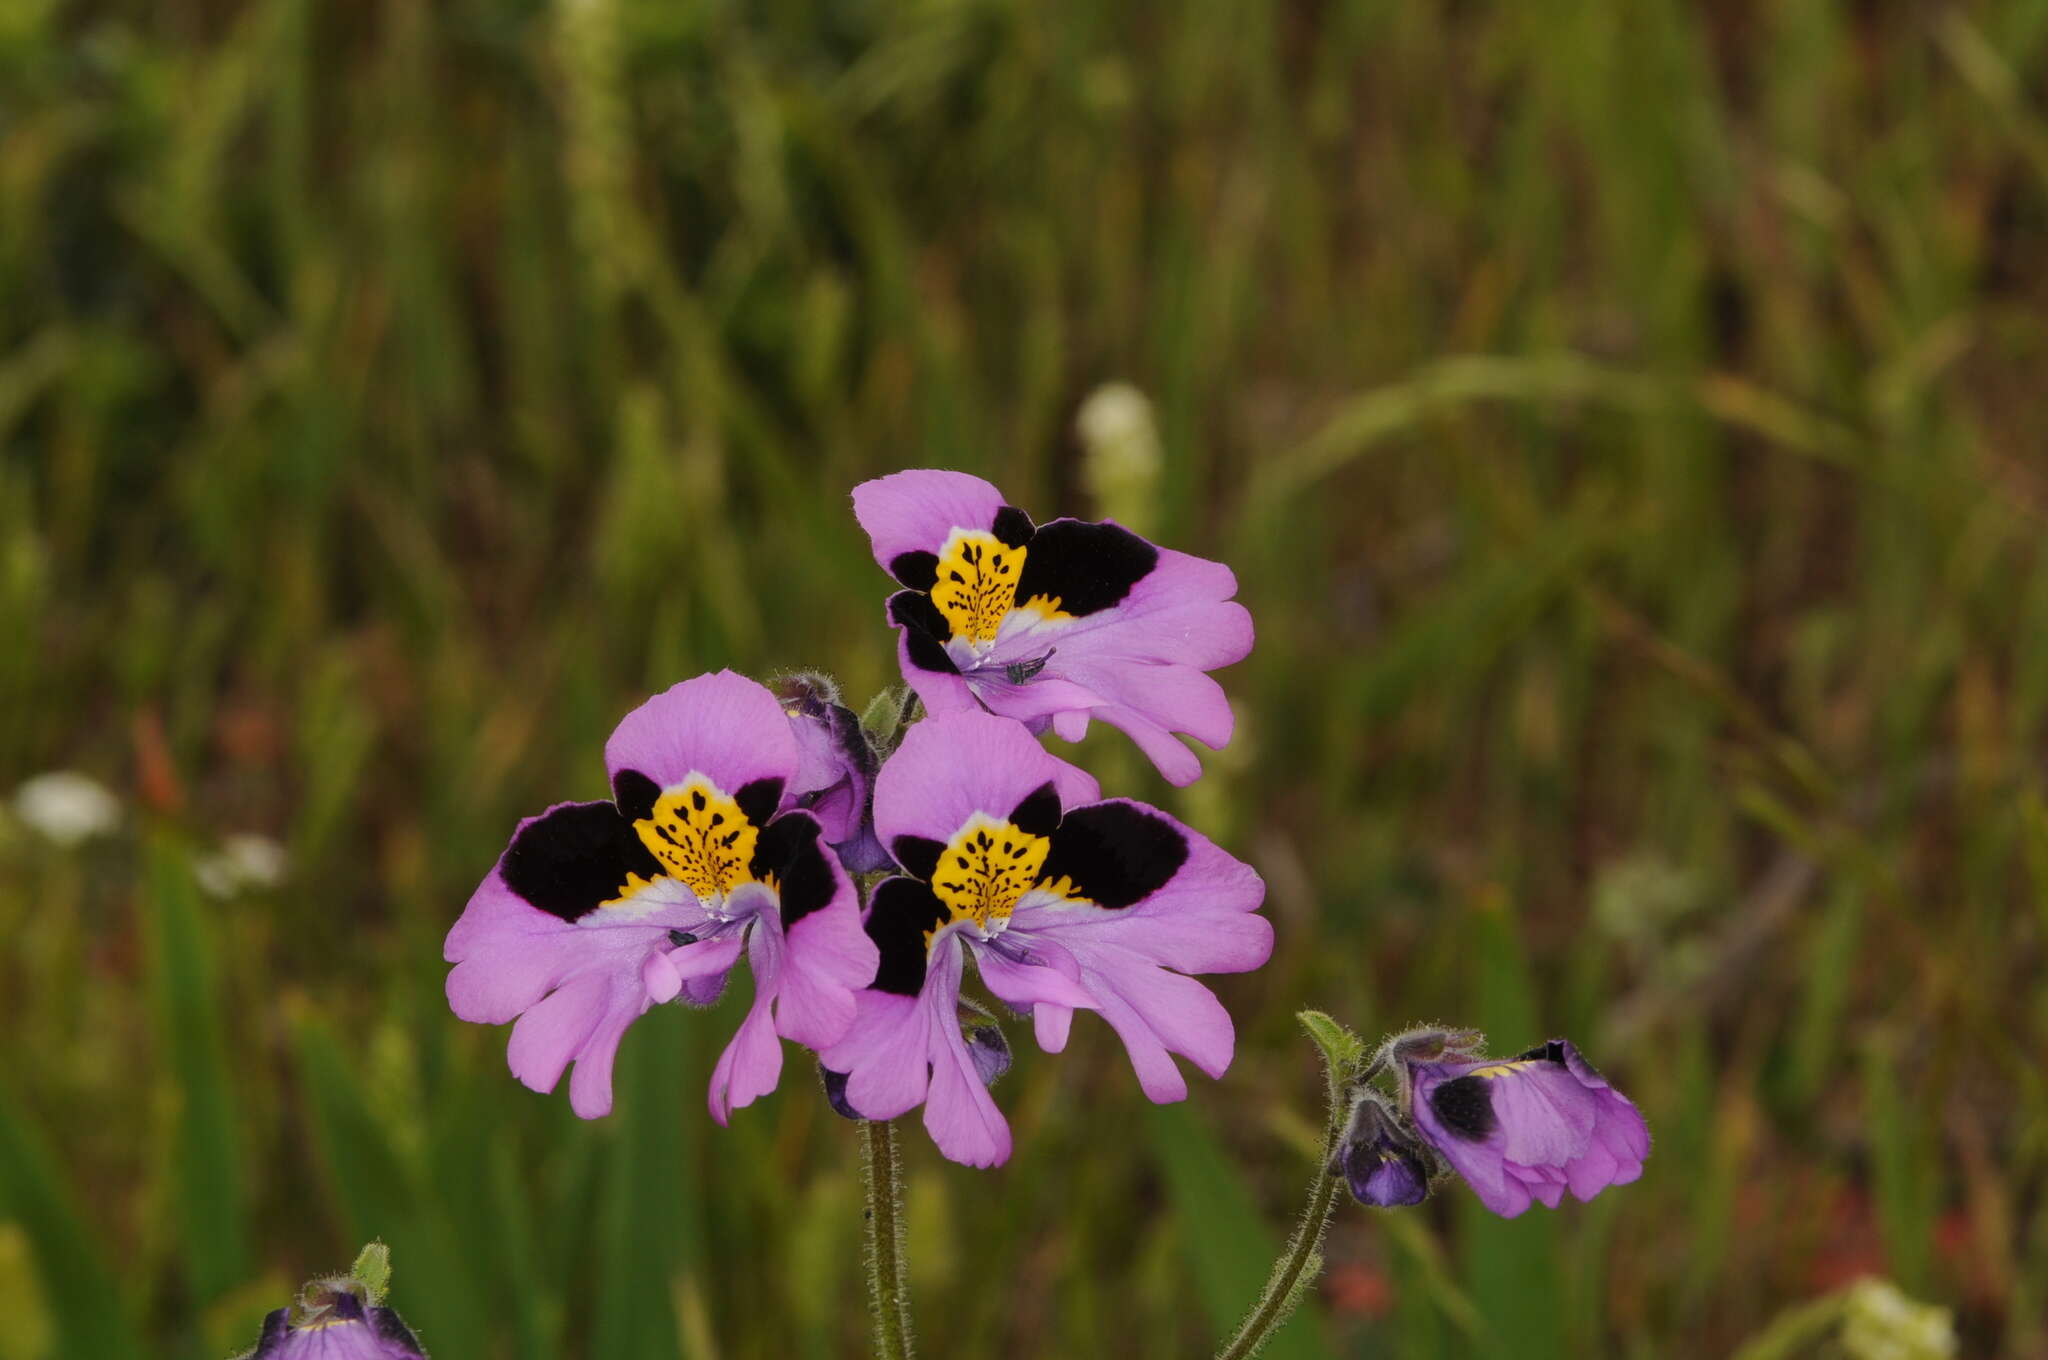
1518, 1130
862, 883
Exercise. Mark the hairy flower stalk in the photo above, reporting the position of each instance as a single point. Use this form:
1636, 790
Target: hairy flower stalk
1302, 1262
888, 1266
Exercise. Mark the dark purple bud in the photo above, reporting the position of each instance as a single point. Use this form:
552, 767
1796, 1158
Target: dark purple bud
986, 1045
1384, 1163
332, 1321
835, 1093
836, 770
810, 693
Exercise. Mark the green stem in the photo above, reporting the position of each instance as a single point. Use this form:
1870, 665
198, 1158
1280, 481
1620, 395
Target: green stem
1302, 1262
881, 1161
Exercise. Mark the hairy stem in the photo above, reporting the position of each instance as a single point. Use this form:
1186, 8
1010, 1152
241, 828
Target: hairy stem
881, 1161
1302, 1262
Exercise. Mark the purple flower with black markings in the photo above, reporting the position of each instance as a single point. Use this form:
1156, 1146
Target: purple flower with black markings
1063, 900
1054, 624
1529, 1127
333, 1323
597, 911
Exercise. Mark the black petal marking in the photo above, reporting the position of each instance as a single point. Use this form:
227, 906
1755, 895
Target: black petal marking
759, 798
276, 1327
918, 570
1086, 567
1012, 529
914, 610
903, 912
635, 794
789, 850
575, 858
1464, 1105
924, 629
392, 1330
918, 854
1039, 813
1114, 854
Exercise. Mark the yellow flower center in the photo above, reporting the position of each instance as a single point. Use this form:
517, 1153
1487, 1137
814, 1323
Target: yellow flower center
977, 584
701, 838
987, 866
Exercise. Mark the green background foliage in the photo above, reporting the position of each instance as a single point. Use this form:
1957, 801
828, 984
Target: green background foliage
1623, 419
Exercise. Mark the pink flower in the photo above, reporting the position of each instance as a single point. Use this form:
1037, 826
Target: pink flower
597, 911
1065, 901
1530, 1127
1054, 624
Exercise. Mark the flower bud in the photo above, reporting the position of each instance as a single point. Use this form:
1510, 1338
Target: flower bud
1381, 1158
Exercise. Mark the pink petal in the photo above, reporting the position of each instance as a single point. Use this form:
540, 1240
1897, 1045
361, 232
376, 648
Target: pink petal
940, 691
549, 1034
724, 726
1050, 1023
829, 959
958, 1112
951, 767
751, 1064
916, 511
1025, 985
883, 1054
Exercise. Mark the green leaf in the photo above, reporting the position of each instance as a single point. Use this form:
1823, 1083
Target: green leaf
78, 1288
1342, 1050
379, 1194
207, 1153
373, 1270
650, 1212
884, 716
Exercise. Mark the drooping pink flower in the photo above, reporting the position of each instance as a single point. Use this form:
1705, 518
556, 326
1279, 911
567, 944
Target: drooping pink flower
597, 911
1054, 624
1064, 900
1529, 1127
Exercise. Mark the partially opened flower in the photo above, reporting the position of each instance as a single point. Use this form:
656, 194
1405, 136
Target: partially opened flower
835, 770
1530, 1127
332, 1322
597, 911
1054, 624
1063, 901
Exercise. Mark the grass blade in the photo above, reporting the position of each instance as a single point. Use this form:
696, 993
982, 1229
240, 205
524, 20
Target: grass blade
207, 1153
80, 1290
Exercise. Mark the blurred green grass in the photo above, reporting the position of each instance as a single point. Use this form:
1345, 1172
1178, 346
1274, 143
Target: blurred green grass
1622, 420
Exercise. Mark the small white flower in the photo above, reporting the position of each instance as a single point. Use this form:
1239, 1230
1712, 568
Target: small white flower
67, 807
1116, 426
1121, 453
245, 862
